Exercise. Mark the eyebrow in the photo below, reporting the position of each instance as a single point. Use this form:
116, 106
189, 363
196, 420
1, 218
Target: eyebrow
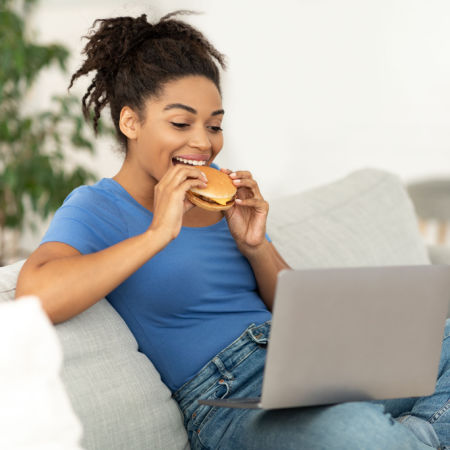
190, 109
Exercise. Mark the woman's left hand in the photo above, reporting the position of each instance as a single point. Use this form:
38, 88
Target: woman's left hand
247, 218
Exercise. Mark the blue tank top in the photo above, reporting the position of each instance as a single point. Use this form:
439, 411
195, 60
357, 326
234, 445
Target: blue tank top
188, 302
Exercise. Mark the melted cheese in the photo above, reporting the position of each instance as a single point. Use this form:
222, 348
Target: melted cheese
220, 201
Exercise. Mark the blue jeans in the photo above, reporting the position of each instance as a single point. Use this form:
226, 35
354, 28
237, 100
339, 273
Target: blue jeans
420, 422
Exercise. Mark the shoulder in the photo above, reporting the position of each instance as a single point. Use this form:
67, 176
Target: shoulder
99, 198
86, 195
89, 219
93, 204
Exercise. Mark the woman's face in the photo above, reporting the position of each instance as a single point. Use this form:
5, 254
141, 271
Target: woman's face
181, 126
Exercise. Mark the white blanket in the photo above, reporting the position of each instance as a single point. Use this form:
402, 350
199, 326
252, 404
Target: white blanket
35, 411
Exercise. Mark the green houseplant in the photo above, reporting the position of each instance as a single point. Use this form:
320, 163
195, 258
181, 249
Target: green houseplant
34, 173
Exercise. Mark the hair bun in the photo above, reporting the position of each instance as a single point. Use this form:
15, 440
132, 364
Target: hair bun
127, 72
143, 31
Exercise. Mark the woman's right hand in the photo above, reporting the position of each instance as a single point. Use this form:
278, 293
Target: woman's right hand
54, 265
170, 202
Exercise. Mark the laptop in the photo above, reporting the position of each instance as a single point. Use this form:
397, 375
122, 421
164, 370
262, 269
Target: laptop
350, 334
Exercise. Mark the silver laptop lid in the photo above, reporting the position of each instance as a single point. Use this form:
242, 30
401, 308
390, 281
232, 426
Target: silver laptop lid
354, 334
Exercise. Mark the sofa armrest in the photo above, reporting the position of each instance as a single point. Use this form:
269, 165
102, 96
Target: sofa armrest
439, 254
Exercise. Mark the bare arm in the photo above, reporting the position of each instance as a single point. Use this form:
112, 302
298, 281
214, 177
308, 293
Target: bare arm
266, 262
247, 223
68, 283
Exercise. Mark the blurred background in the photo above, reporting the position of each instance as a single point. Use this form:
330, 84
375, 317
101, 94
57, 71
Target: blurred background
314, 90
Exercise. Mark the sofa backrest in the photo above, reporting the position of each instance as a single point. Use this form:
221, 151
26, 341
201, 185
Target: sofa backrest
366, 218
115, 390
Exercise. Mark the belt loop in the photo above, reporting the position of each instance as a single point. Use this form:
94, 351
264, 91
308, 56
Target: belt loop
259, 337
222, 369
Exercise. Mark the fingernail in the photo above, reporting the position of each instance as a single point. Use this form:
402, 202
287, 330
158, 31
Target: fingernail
236, 181
238, 200
233, 174
204, 176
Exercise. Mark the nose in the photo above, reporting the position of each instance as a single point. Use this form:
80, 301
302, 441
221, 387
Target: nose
200, 139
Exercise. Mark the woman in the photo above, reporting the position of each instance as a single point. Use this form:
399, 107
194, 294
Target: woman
195, 287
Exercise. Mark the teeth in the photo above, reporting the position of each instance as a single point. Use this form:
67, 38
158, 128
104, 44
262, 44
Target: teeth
190, 161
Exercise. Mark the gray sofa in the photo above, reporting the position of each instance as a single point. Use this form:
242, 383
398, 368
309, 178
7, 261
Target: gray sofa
365, 218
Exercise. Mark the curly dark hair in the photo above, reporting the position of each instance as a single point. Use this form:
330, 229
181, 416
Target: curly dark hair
133, 59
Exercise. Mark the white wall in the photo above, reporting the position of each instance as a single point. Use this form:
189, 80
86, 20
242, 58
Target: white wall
315, 88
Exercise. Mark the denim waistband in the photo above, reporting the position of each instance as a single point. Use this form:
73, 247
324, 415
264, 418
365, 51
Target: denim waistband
224, 362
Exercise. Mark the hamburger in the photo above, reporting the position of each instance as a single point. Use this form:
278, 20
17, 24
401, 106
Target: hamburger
218, 195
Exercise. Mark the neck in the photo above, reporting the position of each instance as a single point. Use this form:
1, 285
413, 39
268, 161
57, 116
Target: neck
138, 184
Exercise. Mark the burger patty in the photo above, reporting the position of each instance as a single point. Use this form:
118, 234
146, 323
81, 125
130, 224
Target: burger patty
206, 199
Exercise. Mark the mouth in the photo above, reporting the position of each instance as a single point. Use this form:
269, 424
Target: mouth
189, 162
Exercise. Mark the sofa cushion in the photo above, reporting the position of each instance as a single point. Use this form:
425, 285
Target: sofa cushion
365, 218
8, 280
439, 254
114, 389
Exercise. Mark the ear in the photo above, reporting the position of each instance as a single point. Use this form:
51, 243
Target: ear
129, 122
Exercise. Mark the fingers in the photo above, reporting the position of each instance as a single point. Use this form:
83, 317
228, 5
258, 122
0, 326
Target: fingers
258, 204
244, 179
172, 187
190, 183
241, 174
238, 174
248, 193
180, 190
246, 182
175, 179
179, 173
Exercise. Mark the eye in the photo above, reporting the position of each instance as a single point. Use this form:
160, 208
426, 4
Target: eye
179, 125
216, 129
